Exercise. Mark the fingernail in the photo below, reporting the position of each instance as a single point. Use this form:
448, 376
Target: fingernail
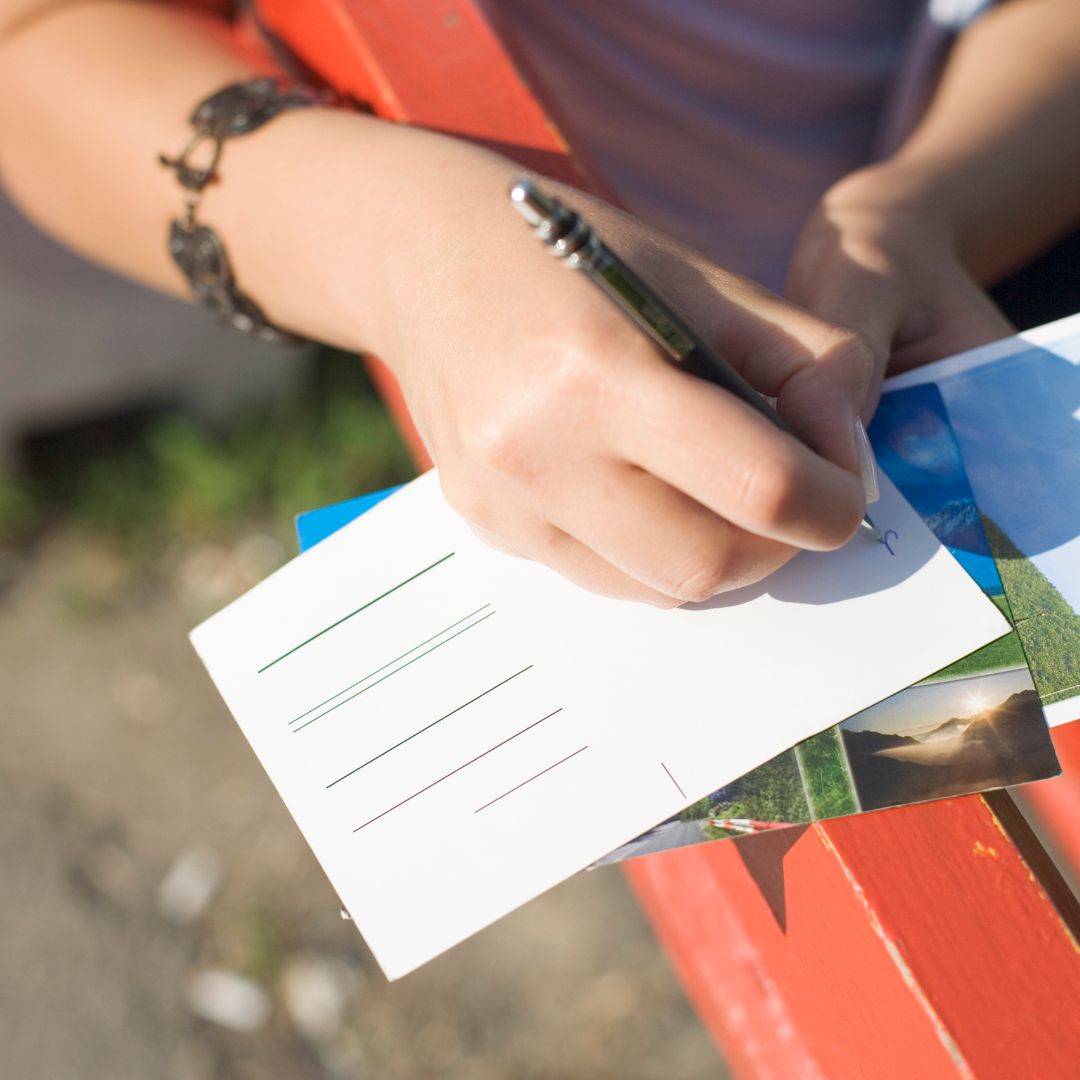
867, 464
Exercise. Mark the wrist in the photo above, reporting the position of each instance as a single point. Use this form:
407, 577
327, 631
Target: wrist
310, 208
446, 221
892, 205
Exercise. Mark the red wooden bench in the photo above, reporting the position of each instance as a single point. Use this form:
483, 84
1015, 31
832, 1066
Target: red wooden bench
931, 941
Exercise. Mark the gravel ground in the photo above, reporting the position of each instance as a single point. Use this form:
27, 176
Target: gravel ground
119, 760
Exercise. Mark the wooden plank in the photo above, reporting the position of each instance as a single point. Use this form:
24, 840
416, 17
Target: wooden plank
932, 941
432, 63
917, 942
1055, 804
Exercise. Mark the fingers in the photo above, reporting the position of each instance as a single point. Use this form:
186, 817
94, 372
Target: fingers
825, 377
662, 538
706, 443
821, 373
823, 398
767, 339
576, 562
849, 289
770, 340
512, 521
621, 532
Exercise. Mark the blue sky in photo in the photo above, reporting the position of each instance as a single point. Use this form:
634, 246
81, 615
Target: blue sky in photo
1018, 421
916, 446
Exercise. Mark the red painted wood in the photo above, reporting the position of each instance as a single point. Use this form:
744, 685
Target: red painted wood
906, 943
432, 63
1056, 803
921, 942
390, 391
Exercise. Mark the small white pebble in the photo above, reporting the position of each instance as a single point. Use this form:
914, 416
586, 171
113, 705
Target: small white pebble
315, 991
228, 999
189, 885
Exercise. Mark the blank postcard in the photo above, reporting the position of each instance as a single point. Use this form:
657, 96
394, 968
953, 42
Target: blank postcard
456, 731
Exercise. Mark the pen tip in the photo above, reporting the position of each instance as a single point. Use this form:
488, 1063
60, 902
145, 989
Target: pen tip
871, 528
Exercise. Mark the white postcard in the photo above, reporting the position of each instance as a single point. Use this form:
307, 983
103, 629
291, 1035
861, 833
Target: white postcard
456, 731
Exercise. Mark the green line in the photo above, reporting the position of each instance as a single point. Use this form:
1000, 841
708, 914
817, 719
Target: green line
371, 674
536, 776
428, 727
344, 618
454, 772
370, 686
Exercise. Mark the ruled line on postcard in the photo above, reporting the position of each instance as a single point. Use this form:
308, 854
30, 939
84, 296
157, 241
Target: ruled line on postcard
362, 607
428, 727
408, 663
454, 772
535, 776
672, 779
426, 641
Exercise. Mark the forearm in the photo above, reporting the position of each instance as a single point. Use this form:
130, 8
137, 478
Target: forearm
91, 91
996, 161
554, 422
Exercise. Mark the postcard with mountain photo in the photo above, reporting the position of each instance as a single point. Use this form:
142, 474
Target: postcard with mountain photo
973, 726
1013, 406
977, 724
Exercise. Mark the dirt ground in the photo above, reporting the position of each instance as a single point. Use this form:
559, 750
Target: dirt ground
118, 758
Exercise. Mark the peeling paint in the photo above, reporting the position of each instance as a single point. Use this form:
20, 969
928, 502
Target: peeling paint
963, 1070
985, 850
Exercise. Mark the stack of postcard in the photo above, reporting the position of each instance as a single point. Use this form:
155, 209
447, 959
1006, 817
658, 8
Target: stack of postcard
986, 446
401, 681
974, 725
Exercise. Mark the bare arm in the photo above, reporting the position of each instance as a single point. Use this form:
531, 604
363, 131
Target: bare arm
900, 250
998, 155
565, 440
92, 90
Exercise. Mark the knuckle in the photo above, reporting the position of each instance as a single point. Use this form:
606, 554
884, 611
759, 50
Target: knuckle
767, 492
702, 583
579, 361
497, 446
578, 373
547, 541
859, 358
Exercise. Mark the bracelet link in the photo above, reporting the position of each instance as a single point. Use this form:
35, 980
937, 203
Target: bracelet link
194, 246
194, 177
199, 253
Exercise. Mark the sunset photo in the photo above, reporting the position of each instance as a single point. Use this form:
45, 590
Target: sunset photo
948, 738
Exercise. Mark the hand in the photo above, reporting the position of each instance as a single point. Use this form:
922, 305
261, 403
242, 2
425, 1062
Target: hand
880, 262
562, 435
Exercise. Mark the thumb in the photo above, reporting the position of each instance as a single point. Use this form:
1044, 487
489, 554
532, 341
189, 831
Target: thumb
865, 309
824, 401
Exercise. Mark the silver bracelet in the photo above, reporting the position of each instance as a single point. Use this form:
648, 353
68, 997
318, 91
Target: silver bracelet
195, 247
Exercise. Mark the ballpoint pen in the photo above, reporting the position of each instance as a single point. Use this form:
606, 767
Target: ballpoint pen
570, 238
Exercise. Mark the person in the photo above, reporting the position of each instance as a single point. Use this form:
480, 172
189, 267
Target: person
564, 437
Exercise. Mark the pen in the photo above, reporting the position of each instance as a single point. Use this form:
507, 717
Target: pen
570, 238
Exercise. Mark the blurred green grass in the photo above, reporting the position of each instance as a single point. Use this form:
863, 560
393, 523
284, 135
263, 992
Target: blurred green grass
827, 781
142, 482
